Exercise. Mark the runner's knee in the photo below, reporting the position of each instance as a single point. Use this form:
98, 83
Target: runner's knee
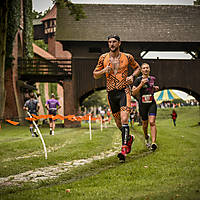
145, 124
124, 117
152, 123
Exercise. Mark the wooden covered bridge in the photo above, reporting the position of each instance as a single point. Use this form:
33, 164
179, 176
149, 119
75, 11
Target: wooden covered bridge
142, 28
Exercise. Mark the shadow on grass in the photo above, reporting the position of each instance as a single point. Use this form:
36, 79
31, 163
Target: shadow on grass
195, 125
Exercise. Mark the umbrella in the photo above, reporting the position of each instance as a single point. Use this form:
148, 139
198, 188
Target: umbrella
165, 95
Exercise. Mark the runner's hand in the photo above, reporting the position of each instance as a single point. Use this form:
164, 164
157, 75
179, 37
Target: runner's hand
144, 80
108, 69
129, 79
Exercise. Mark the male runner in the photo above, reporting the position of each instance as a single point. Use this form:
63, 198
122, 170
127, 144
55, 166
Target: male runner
114, 65
32, 107
52, 105
145, 86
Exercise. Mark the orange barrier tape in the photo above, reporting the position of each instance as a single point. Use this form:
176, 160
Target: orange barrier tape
12, 122
58, 117
36, 117
30, 119
69, 117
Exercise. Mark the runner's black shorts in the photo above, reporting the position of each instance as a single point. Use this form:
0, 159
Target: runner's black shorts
52, 112
147, 109
118, 100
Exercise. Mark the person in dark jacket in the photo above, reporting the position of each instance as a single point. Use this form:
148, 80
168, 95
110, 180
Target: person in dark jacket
174, 116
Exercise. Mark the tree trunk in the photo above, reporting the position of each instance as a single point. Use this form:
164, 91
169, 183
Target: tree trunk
3, 31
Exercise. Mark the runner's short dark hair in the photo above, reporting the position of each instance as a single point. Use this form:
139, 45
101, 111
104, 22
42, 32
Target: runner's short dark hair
114, 36
31, 94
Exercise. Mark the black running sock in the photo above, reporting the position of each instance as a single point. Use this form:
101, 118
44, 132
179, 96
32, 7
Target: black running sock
35, 132
125, 134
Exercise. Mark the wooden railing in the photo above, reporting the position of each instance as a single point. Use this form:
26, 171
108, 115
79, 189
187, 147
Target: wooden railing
44, 70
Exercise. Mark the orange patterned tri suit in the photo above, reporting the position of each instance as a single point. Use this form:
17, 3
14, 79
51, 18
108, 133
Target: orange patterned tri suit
119, 95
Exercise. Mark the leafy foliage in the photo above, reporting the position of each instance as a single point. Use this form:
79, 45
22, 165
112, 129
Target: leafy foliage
75, 10
98, 98
28, 29
39, 15
41, 44
197, 2
53, 89
13, 24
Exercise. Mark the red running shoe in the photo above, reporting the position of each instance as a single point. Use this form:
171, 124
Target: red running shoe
122, 154
129, 144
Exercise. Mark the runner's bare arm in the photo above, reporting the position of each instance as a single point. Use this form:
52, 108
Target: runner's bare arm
137, 71
136, 67
38, 107
156, 88
130, 78
25, 108
99, 73
46, 106
136, 90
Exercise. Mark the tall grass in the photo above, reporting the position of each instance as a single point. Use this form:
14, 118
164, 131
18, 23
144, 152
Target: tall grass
171, 172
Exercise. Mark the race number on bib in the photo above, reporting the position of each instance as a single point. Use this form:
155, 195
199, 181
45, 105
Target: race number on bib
148, 98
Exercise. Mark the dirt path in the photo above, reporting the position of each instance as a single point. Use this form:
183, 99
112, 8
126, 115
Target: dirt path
55, 171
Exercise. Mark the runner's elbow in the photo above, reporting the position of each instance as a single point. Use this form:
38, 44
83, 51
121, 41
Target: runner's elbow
95, 76
133, 92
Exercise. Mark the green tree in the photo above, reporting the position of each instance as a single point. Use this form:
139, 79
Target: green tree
10, 13
39, 15
98, 98
41, 44
197, 2
75, 10
3, 36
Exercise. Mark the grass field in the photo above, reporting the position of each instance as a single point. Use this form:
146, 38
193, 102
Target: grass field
91, 170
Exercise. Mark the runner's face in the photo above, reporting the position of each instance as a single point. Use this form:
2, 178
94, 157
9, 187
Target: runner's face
113, 44
145, 69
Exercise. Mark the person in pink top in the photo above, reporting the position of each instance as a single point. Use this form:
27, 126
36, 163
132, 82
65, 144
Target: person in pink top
52, 105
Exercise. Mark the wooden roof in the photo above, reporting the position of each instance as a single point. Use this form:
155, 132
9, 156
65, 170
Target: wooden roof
51, 14
133, 23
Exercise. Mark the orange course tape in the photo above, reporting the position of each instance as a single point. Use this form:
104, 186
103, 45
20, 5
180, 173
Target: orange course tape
12, 122
69, 117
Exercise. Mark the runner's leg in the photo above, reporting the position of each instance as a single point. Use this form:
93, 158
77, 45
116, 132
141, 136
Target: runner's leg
145, 128
152, 121
117, 119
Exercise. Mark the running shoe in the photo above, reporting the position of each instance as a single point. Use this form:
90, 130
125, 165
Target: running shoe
122, 154
33, 135
148, 142
129, 144
154, 146
50, 132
